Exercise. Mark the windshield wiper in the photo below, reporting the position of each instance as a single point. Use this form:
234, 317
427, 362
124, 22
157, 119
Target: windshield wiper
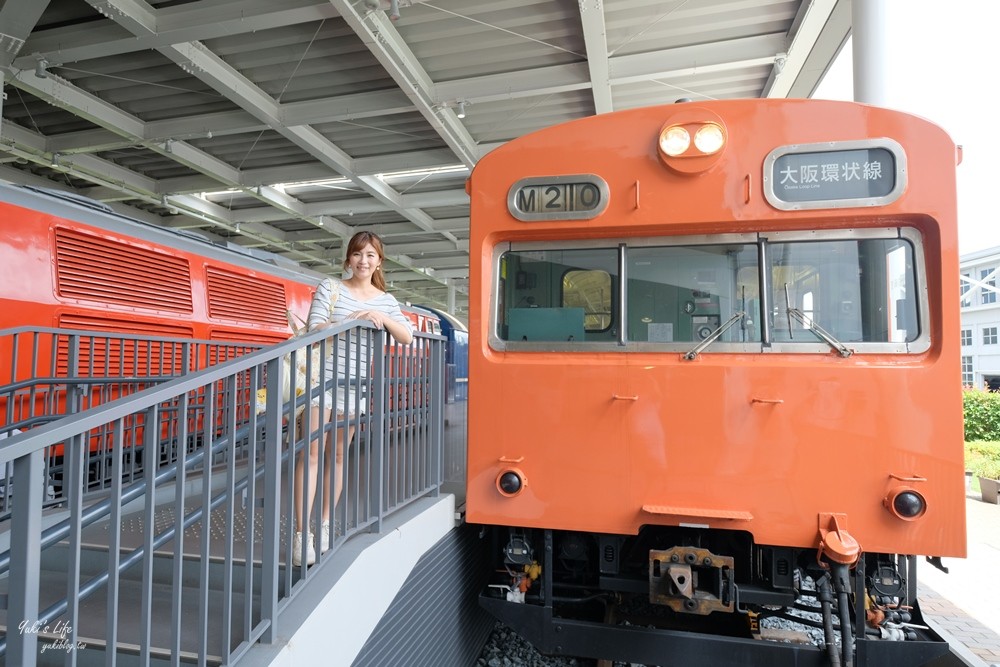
710, 338
811, 325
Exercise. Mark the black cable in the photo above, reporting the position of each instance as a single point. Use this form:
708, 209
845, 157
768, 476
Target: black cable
841, 583
826, 603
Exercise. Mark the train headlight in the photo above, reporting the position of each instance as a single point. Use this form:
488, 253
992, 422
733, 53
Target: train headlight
674, 141
692, 140
510, 482
709, 138
905, 503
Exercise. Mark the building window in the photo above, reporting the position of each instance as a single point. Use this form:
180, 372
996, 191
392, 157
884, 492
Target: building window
989, 335
964, 290
989, 279
966, 337
967, 371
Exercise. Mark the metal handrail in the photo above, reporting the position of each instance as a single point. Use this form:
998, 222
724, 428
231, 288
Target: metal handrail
239, 375
51, 372
102, 509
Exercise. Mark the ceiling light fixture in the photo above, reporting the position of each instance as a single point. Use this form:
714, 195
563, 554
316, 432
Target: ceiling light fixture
393, 10
41, 68
461, 110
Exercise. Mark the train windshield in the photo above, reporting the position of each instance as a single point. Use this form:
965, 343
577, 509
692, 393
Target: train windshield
749, 293
858, 290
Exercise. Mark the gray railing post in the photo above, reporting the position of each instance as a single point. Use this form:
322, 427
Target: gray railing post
378, 440
74, 390
150, 457
437, 413
26, 529
272, 500
74, 485
75, 477
183, 434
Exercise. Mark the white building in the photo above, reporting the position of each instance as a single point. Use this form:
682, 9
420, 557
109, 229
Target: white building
980, 317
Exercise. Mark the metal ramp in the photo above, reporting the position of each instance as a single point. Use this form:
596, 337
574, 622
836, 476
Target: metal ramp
195, 625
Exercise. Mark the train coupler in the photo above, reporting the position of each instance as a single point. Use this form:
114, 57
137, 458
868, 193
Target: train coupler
691, 580
836, 545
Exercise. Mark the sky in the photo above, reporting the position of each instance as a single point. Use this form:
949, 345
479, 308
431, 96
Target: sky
940, 61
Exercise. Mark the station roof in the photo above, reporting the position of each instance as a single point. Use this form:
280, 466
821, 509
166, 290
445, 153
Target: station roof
287, 125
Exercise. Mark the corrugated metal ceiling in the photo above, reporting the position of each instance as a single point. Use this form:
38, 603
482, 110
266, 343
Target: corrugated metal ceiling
286, 125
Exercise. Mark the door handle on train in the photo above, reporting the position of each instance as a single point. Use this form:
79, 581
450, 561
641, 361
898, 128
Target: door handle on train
768, 401
618, 397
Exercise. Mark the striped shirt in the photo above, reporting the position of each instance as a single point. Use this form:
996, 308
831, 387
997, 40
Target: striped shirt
331, 291
344, 305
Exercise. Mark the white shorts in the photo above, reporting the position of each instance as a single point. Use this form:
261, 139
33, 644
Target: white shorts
348, 394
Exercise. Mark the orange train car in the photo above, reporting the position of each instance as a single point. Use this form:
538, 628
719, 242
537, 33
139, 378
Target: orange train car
714, 378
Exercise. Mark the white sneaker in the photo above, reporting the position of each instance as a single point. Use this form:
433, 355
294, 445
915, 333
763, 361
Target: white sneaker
297, 550
324, 538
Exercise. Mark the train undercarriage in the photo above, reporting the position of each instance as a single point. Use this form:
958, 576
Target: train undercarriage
685, 596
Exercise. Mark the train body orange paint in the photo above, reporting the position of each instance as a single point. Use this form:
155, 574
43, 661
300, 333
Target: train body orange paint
747, 352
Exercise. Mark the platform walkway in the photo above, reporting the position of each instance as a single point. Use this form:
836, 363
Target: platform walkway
965, 603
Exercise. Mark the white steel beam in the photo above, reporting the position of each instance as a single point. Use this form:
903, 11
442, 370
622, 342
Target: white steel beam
385, 43
17, 20
184, 23
596, 40
810, 22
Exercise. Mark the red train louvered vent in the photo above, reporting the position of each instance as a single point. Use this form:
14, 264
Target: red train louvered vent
117, 357
115, 272
235, 296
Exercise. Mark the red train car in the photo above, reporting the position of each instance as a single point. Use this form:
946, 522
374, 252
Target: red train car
714, 377
68, 263
71, 264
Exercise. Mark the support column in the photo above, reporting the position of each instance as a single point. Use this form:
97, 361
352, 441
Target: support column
868, 36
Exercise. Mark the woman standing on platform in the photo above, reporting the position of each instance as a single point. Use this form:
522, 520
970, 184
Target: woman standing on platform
360, 296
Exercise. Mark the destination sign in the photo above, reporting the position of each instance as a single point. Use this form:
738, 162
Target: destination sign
871, 175
579, 197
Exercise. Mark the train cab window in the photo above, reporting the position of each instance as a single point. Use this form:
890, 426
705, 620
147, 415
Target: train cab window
687, 293
788, 292
558, 295
857, 291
